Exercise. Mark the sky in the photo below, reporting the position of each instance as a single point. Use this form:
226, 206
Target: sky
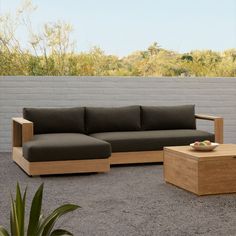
123, 26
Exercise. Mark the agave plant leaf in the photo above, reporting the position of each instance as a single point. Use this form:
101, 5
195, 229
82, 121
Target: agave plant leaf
41, 218
13, 230
60, 232
35, 212
23, 202
3, 232
47, 225
14, 221
20, 209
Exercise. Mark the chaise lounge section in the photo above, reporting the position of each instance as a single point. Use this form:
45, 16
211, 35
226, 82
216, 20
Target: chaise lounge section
53, 142
90, 139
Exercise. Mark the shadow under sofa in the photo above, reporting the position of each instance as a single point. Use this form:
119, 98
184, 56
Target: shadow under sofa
90, 139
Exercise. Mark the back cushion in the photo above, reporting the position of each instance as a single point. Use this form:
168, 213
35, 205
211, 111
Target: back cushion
56, 120
112, 119
168, 117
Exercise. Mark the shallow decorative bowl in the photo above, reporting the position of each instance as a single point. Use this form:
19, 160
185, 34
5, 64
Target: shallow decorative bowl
204, 148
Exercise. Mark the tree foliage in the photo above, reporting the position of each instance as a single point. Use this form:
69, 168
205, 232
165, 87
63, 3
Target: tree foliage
52, 51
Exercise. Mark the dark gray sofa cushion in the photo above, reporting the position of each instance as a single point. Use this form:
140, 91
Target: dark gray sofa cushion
65, 146
101, 119
168, 117
56, 120
151, 140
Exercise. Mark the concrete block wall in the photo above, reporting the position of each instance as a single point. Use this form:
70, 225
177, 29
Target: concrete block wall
215, 96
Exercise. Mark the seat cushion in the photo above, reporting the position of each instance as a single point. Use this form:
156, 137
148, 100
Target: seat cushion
151, 140
56, 120
107, 119
168, 117
65, 146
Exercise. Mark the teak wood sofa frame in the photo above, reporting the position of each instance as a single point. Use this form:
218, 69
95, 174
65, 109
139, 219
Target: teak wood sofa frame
22, 131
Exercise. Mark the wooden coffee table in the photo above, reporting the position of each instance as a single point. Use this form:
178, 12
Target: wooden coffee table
201, 172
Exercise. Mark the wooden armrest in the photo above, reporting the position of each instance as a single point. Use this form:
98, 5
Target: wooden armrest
207, 117
21, 120
218, 125
22, 131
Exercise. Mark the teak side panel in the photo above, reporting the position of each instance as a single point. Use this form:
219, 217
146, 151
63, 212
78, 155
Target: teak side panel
59, 167
136, 157
27, 132
22, 131
217, 176
16, 134
181, 171
219, 130
218, 126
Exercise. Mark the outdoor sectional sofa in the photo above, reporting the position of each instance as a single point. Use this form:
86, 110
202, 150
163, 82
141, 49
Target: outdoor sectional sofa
90, 139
